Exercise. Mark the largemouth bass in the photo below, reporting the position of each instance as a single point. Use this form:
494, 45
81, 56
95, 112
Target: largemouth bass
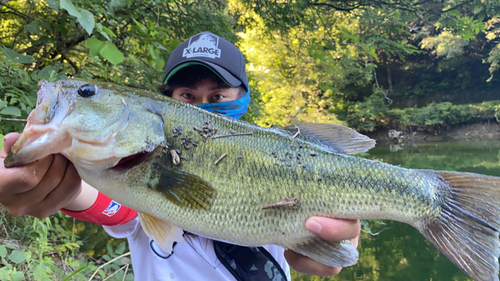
183, 168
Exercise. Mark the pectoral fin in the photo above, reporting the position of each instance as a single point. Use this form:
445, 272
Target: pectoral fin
164, 233
340, 138
181, 188
336, 254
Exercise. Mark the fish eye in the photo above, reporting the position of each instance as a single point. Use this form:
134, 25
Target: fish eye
87, 90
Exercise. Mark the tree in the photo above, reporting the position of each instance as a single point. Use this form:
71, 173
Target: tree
379, 49
122, 41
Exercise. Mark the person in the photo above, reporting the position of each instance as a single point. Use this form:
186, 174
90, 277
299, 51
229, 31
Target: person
207, 71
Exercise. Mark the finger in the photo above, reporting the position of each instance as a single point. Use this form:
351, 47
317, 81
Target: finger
25, 188
333, 229
51, 179
9, 140
66, 191
309, 266
59, 184
22, 179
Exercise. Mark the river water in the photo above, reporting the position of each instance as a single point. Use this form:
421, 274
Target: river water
398, 252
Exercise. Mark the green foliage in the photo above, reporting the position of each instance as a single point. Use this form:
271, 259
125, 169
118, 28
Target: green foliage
308, 73
122, 41
446, 113
17, 90
33, 249
364, 118
445, 44
370, 113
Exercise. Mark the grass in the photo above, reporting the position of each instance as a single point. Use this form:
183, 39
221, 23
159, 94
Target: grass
34, 249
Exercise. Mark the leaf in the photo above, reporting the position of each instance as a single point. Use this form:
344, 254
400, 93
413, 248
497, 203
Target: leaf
74, 273
154, 52
13, 56
120, 249
132, 58
99, 28
3, 249
142, 28
68, 6
106, 257
18, 276
160, 46
160, 64
110, 52
118, 3
33, 27
53, 5
14, 111
24, 59
109, 32
45, 26
87, 21
94, 45
47, 72
173, 44
110, 249
17, 256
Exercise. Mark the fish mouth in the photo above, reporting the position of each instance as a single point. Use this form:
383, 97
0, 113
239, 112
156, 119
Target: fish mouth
35, 143
130, 161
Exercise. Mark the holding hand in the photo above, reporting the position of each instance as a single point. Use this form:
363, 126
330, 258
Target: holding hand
327, 229
40, 188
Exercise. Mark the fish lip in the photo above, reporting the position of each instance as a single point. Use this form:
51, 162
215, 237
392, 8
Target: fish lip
40, 136
36, 142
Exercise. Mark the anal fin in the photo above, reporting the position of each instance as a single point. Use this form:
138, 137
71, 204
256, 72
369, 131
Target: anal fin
336, 254
164, 233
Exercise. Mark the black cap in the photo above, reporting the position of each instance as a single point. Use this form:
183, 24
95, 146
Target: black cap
208, 49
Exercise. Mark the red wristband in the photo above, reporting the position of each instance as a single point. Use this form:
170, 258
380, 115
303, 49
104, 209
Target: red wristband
104, 211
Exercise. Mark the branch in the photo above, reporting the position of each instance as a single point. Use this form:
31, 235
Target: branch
14, 11
458, 6
63, 56
353, 7
109, 262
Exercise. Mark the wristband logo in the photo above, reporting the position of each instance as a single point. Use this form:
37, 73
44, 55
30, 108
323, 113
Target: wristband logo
112, 209
203, 45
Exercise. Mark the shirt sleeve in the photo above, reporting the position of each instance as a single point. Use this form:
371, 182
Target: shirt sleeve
104, 211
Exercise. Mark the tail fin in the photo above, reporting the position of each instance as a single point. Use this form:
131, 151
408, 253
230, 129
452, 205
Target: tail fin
468, 227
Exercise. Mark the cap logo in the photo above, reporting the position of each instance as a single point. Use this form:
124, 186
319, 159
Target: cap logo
203, 45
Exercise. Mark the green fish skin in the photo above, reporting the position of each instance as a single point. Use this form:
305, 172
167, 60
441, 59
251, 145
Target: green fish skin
183, 168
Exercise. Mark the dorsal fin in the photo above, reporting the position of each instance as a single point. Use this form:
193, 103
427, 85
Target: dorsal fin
340, 138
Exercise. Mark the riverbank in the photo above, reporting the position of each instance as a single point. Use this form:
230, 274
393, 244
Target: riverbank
436, 133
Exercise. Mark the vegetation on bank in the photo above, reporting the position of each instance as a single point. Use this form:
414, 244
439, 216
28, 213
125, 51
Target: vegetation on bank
372, 115
48, 250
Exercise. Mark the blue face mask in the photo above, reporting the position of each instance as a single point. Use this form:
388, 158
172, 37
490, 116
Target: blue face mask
234, 109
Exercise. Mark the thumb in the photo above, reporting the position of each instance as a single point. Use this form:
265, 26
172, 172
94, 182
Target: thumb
333, 229
9, 140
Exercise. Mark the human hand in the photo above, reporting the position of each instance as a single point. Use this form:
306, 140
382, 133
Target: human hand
40, 188
327, 229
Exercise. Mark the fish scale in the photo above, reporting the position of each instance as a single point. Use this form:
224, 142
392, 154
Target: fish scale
269, 182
